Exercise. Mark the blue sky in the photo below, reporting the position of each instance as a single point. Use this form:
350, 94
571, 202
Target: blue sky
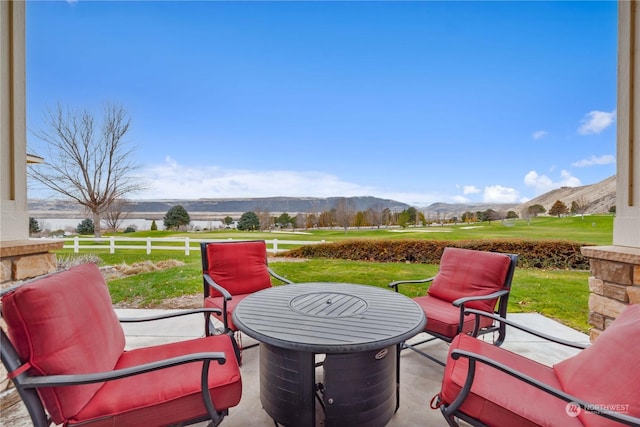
419, 102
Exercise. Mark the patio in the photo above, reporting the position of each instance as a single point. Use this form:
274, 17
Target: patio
420, 378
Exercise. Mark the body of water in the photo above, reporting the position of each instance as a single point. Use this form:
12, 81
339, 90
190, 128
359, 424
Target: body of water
70, 224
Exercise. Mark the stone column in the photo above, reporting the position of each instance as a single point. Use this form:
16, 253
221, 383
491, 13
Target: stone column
615, 270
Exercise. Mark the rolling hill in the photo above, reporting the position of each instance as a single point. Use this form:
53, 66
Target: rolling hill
600, 197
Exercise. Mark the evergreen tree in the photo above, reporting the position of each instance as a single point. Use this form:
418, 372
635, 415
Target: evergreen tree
34, 227
176, 217
284, 220
249, 221
154, 226
86, 227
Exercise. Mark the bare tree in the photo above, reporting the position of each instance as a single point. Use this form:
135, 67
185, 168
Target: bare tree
264, 216
91, 166
375, 215
345, 213
580, 206
116, 213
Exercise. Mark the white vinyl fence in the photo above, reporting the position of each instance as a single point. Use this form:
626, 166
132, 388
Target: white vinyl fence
163, 243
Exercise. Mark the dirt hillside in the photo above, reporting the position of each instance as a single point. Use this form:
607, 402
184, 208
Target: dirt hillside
600, 197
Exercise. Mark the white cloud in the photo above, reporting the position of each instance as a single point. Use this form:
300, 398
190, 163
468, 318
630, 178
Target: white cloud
539, 134
500, 194
593, 160
470, 189
171, 180
596, 122
542, 183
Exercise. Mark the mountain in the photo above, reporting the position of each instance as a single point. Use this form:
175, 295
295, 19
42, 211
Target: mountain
599, 197
206, 208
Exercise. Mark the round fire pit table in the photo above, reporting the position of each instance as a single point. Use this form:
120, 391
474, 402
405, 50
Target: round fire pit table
358, 328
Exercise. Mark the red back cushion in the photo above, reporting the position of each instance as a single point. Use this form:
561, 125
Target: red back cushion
607, 373
239, 267
65, 324
465, 273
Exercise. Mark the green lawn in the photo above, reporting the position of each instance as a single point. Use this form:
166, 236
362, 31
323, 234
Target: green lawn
591, 229
559, 294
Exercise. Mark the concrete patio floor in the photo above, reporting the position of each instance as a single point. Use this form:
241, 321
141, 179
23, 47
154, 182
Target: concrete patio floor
419, 379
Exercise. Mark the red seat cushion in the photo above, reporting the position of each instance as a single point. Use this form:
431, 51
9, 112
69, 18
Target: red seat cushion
168, 395
239, 267
217, 302
65, 324
443, 317
498, 399
465, 273
607, 372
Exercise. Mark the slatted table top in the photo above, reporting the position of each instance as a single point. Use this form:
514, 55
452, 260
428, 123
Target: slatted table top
327, 317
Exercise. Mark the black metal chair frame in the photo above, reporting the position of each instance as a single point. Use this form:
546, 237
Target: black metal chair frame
27, 385
451, 411
209, 283
501, 310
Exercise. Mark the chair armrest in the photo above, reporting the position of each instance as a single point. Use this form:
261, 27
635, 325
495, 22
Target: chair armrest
586, 406
205, 358
225, 293
169, 315
279, 277
525, 329
77, 379
461, 301
402, 282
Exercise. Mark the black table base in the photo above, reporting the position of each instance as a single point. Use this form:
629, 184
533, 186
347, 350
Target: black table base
288, 387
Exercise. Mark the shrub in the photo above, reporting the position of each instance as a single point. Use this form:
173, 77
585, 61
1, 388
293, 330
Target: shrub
531, 254
130, 229
65, 262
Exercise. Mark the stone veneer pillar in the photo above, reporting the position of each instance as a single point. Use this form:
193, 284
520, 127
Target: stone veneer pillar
20, 260
614, 283
615, 270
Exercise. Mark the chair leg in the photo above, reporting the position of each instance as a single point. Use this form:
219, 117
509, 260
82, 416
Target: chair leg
236, 348
451, 420
422, 353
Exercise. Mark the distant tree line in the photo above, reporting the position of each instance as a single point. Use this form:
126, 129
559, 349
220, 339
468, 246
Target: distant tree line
343, 215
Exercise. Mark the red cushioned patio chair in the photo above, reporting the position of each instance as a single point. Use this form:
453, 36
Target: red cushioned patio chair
64, 349
232, 271
466, 279
485, 385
